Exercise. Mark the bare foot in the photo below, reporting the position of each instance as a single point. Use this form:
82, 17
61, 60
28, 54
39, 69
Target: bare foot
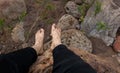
56, 36
39, 37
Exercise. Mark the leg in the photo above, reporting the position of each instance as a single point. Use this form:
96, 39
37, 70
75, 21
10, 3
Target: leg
65, 61
39, 37
56, 36
23, 59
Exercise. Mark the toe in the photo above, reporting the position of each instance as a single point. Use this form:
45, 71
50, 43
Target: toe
53, 26
41, 30
52, 29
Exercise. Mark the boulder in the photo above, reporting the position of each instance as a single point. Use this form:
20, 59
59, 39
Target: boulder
67, 22
18, 33
102, 20
72, 9
11, 9
78, 1
75, 38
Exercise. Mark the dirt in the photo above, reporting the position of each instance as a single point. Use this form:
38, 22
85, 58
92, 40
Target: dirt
105, 52
36, 10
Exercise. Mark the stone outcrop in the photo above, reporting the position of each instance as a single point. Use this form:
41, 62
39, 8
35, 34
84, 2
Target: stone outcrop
75, 38
18, 33
105, 22
72, 9
67, 22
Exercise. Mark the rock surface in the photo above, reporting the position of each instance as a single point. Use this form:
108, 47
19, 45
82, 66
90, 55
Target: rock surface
78, 1
100, 48
44, 63
18, 33
107, 18
67, 22
11, 9
75, 38
72, 9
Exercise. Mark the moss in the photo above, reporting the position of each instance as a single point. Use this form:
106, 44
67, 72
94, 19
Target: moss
81, 19
46, 13
2, 22
39, 1
101, 26
82, 10
49, 21
98, 5
22, 16
50, 6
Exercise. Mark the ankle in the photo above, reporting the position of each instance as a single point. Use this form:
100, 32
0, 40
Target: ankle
35, 48
38, 49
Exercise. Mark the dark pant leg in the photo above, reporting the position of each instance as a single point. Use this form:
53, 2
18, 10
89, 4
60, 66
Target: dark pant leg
23, 58
65, 61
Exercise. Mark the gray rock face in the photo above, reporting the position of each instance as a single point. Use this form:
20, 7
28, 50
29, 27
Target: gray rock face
72, 9
18, 33
11, 9
104, 24
75, 38
67, 22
